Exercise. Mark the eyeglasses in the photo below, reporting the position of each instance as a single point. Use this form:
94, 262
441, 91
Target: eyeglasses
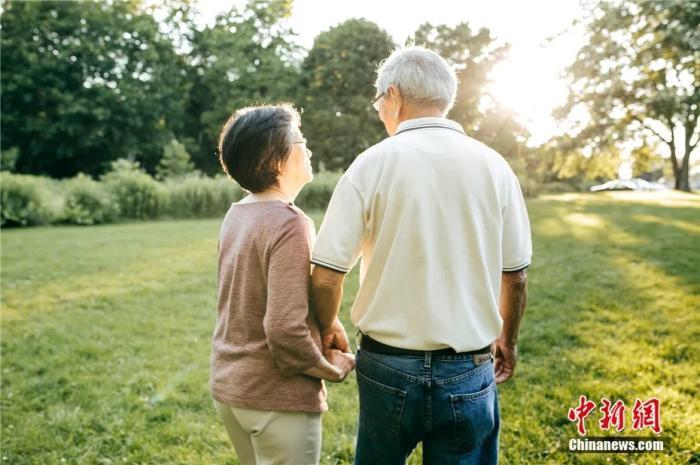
376, 101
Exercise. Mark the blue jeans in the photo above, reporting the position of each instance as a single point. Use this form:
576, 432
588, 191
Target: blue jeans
449, 402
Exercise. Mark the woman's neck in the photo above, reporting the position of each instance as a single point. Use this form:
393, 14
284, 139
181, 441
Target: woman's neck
273, 193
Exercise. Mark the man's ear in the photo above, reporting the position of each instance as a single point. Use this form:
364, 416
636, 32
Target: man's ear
395, 94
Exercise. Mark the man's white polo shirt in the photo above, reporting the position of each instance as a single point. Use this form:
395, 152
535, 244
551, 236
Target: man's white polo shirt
435, 216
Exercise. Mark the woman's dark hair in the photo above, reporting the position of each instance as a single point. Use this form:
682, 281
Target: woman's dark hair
255, 142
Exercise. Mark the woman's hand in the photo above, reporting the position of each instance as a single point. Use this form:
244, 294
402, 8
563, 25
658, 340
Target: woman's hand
333, 367
344, 362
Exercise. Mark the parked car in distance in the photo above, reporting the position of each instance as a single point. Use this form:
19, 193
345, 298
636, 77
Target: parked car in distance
635, 184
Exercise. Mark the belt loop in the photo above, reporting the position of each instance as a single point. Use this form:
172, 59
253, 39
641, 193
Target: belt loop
426, 360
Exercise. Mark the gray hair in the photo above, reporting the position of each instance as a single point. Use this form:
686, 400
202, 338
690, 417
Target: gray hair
423, 77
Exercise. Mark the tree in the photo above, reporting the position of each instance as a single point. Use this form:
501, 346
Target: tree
638, 75
246, 57
84, 83
646, 162
337, 81
175, 162
473, 54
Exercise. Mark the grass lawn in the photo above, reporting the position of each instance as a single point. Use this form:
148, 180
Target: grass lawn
105, 337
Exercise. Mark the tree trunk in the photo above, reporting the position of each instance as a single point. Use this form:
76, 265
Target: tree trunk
683, 183
674, 165
689, 127
680, 173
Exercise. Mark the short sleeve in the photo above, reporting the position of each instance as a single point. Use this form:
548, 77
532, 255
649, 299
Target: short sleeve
516, 239
340, 237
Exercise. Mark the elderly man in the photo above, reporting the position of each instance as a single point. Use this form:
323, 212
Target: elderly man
439, 222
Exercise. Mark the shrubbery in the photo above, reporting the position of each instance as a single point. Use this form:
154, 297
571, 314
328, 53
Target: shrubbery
138, 195
200, 196
28, 200
317, 194
88, 202
127, 193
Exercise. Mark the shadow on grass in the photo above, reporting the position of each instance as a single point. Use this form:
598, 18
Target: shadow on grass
609, 316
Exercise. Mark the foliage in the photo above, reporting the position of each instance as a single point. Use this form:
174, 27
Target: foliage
639, 75
175, 162
27, 200
474, 54
317, 194
8, 159
646, 161
138, 195
201, 197
246, 57
337, 80
127, 192
84, 83
88, 202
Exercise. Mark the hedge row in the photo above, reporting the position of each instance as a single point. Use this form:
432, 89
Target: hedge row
129, 194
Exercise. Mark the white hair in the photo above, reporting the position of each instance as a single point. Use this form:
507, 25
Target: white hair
423, 77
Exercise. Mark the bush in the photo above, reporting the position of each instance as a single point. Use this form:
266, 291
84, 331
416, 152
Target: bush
317, 194
88, 202
200, 197
28, 200
138, 195
175, 162
128, 192
8, 159
568, 185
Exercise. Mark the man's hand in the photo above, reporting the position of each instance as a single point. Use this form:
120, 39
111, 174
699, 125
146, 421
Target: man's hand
506, 356
334, 337
512, 309
344, 362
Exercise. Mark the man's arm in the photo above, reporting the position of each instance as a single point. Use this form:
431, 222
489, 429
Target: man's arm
325, 296
512, 308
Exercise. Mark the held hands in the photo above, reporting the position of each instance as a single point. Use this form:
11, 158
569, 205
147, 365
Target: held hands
343, 362
334, 337
506, 357
336, 349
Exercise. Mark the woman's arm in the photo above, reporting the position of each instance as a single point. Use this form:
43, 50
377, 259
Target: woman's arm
285, 323
334, 367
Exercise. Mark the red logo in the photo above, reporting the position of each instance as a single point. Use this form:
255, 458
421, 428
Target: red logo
644, 414
613, 415
580, 413
647, 414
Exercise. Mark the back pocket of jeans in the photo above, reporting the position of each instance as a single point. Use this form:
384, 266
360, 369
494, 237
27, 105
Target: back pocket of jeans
474, 417
381, 407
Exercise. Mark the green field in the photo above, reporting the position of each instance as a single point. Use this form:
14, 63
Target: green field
105, 337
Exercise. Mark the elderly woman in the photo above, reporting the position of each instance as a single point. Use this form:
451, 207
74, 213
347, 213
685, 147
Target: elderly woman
439, 224
267, 364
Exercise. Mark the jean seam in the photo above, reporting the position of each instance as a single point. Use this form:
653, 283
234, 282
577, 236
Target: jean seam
456, 426
473, 372
393, 371
400, 393
476, 395
383, 387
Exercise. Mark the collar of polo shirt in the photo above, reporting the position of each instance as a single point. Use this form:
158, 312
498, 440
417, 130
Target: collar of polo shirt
428, 123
